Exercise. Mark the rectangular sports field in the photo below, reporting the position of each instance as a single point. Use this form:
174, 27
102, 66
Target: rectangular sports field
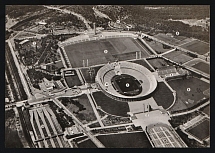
197, 47
158, 63
178, 56
143, 63
157, 46
126, 140
87, 144
202, 66
124, 48
201, 131
176, 40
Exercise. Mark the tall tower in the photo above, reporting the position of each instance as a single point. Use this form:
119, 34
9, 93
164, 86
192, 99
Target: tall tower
94, 26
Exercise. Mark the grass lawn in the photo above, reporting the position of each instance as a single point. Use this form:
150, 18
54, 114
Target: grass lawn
143, 63
90, 78
206, 110
163, 95
178, 56
157, 46
110, 105
83, 114
126, 140
94, 51
176, 40
195, 94
73, 80
197, 46
12, 139
87, 144
158, 63
202, 66
201, 131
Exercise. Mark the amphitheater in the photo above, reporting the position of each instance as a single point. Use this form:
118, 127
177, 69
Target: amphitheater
126, 81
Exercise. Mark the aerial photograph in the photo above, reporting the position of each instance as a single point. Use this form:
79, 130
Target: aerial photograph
107, 76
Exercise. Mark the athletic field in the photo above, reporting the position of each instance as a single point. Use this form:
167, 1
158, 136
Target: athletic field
126, 140
200, 130
197, 47
176, 40
199, 65
188, 92
202, 66
103, 50
178, 56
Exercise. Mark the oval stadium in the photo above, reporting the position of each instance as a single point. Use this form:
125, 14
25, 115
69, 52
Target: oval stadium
126, 81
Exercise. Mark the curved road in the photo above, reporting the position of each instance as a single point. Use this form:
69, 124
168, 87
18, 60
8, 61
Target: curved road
73, 13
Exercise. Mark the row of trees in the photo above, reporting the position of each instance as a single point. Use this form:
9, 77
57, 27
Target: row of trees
15, 11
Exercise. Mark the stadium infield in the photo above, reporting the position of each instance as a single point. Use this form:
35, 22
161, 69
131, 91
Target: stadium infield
123, 48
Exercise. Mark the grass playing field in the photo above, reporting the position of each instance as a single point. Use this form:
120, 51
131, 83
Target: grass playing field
203, 127
158, 47
163, 95
87, 144
206, 110
158, 63
202, 66
183, 94
73, 80
126, 140
110, 105
124, 48
89, 75
176, 40
143, 63
197, 46
178, 56
126, 85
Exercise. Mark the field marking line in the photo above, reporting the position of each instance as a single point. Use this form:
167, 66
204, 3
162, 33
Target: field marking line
203, 41
169, 51
186, 43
